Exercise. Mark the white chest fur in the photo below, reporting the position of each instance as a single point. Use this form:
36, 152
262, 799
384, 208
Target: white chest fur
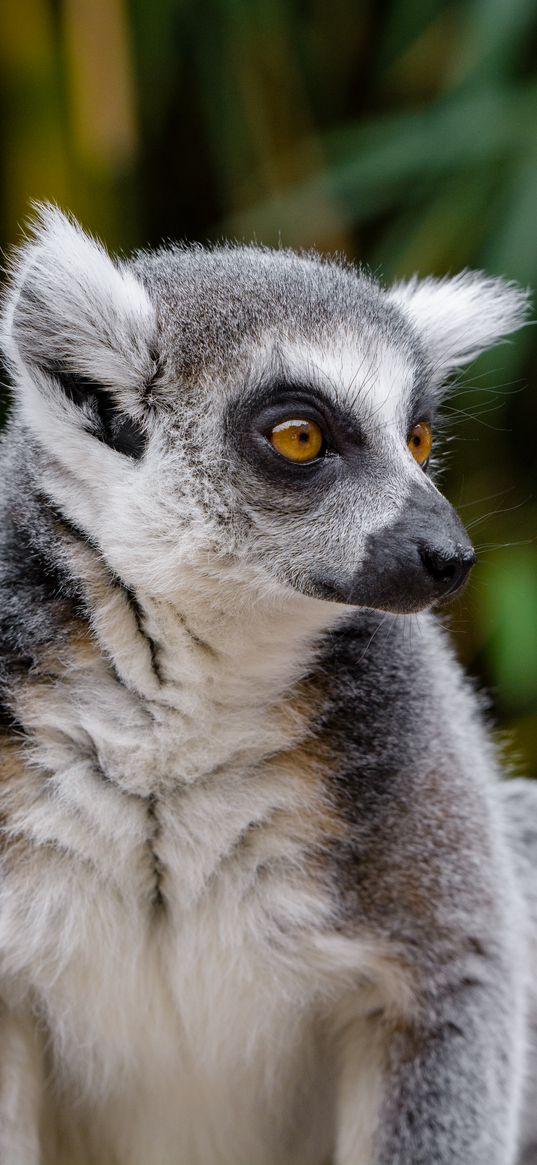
166, 919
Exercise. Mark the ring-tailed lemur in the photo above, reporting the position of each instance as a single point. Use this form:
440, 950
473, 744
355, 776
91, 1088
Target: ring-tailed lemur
261, 886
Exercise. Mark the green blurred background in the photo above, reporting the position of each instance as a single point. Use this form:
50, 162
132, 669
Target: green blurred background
403, 132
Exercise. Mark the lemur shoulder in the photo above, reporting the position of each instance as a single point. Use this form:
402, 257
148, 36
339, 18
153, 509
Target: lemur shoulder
264, 897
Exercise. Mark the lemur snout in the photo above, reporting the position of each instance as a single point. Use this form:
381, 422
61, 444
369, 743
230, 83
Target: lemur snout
448, 565
423, 558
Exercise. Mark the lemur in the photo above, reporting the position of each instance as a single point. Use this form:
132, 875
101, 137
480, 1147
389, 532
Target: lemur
264, 896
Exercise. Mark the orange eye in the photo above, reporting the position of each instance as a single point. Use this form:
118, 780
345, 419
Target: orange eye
297, 440
420, 442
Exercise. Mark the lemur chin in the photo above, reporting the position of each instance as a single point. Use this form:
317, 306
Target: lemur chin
264, 897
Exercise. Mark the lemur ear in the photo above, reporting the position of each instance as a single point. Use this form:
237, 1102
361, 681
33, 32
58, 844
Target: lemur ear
77, 323
457, 318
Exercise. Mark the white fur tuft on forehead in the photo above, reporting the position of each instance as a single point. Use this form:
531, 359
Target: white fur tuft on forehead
70, 306
457, 318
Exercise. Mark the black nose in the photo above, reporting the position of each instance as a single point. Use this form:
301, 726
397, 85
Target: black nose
449, 566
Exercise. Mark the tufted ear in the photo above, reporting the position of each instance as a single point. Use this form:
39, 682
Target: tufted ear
78, 325
457, 318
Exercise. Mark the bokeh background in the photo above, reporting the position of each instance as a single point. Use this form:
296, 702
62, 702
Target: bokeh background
403, 132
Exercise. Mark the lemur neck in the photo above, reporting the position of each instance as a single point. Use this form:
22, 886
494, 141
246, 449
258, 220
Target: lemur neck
218, 635
219, 638
241, 649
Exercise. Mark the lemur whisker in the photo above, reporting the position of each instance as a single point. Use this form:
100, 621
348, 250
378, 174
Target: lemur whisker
497, 513
488, 498
488, 548
371, 638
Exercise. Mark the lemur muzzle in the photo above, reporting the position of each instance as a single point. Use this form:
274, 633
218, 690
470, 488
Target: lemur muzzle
424, 557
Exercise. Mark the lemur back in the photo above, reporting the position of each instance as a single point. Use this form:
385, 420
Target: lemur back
264, 898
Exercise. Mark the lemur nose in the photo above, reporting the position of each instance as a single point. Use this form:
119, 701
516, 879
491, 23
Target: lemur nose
448, 565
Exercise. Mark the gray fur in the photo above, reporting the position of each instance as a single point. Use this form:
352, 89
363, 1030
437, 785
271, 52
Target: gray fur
265, 898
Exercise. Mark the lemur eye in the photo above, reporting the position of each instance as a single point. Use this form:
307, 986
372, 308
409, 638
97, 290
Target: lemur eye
297, 440
420, 442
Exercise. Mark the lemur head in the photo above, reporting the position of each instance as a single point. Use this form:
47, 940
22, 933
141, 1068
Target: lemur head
244, 415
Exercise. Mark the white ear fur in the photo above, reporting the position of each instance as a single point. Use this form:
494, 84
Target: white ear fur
457, 318
70, 306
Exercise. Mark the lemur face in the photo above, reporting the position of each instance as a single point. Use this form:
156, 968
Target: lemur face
245, 414
332, 445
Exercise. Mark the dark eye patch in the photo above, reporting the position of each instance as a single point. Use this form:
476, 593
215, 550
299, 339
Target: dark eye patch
271, 403
251, 417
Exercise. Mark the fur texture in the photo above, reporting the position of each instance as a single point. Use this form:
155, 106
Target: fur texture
264, 898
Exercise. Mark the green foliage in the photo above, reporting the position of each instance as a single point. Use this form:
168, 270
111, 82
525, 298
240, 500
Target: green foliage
403, 132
